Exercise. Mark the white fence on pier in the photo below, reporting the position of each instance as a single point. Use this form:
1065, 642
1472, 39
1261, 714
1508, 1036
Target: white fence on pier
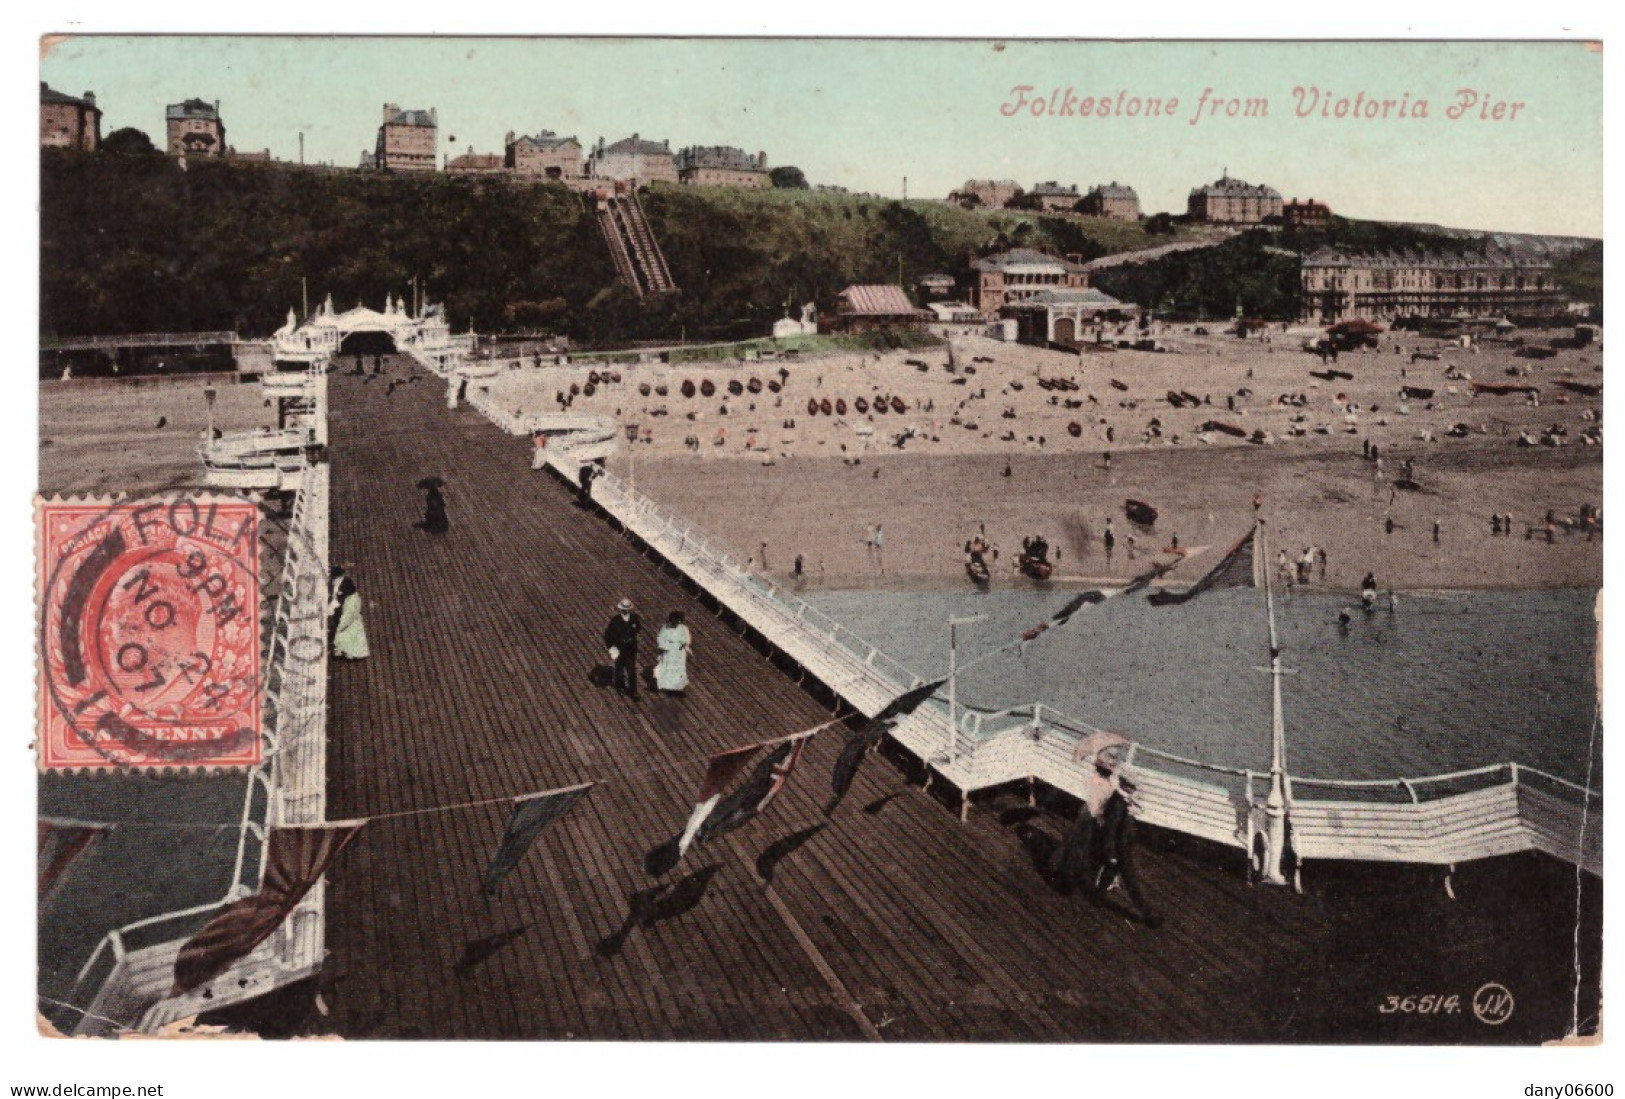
133, 967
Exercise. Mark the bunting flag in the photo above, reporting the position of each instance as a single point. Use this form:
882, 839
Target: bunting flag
723, 769
296, 858
756, 793
531, 814
1061, 617
60, 843
856, 750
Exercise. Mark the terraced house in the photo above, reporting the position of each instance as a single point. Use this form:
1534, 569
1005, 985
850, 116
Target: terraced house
544, 154
633, 160
68, 123
408, 141
1229, 201
193, 127
722, 166
1491, 282
1114, 200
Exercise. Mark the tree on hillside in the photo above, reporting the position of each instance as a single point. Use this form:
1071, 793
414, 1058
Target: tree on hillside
128, 141
1159, 225
789, 178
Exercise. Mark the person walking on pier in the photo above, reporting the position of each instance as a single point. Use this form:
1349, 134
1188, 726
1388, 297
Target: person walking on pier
621, 639
346, 633
674, 643
434, 506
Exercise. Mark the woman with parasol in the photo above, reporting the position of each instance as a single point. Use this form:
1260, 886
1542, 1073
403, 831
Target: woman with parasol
434, 506
1096, 850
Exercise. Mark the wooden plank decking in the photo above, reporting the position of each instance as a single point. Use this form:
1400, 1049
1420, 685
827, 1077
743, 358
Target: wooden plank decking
891, 920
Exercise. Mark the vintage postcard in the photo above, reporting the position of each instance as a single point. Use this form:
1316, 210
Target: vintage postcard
814, 540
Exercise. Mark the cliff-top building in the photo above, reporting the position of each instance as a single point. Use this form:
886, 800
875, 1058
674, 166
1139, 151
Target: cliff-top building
1013, 276
69, 123
1053, 197
545, 154
1114, 200
722, 166
633, 160
1306, 215
1228, 201
990, 194
194, 128
472, 163
408, 141
1337, 286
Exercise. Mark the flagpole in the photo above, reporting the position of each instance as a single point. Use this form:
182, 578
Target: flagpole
953, 672
1275, 804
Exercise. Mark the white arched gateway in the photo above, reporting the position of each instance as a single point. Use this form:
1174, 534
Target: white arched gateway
272, 458
426, 337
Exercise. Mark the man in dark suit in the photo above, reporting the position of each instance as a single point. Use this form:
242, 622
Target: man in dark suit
621, 638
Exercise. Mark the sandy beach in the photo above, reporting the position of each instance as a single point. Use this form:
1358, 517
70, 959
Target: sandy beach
754, 469
104, 436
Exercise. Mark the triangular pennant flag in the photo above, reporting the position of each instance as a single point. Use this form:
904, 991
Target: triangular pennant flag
530, 815
757, 792
60, 843
296, 858
724, 768
856, 749
910, 700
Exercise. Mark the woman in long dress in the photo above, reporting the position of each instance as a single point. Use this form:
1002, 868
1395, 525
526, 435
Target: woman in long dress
434, 511
344, 615
671, 673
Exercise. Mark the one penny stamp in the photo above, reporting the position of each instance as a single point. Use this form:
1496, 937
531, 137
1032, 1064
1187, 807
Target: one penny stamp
149, 633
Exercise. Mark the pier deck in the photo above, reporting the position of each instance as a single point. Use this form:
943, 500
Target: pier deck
892, 920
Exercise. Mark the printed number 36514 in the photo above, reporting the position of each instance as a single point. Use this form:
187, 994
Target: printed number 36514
1421, 1005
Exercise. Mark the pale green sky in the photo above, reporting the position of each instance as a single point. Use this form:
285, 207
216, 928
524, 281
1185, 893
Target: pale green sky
864, 114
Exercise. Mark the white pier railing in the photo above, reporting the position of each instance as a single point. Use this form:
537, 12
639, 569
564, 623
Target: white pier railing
1437, 819
132, 969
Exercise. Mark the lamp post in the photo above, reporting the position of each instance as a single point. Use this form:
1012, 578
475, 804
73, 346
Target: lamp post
953, 670
1275, 804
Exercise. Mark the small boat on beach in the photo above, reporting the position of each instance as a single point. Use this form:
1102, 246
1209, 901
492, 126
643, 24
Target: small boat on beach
736, 387
660, 391
774, 387
1035, 568
977, 570
754, 385
643, 389
825, 407
1138, 511
1074, 429
898, 406
861, 405
840, 406
688, 387
812, 406
880, 405
706, 388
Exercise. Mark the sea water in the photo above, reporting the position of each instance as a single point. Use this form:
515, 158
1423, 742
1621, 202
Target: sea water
1442, 682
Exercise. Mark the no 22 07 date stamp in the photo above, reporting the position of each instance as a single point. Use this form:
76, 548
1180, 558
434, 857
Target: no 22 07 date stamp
149, 643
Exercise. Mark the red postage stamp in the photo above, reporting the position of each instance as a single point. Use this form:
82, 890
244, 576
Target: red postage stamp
149, 645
